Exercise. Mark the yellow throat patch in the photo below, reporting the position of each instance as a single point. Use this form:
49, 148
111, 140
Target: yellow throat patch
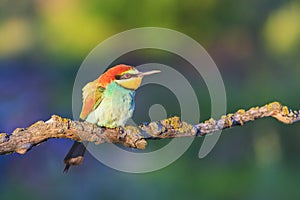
132, 83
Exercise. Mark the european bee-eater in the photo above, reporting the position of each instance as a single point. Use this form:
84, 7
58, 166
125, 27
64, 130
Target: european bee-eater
108, 102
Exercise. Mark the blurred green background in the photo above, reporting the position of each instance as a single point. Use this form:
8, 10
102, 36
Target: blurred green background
255, 44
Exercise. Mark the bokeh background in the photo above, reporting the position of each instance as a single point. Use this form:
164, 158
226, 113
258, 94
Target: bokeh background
255, 44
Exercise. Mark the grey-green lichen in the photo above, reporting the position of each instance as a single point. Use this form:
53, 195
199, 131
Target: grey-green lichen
22, 140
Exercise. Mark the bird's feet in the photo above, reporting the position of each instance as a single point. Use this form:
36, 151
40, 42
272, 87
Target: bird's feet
121, 132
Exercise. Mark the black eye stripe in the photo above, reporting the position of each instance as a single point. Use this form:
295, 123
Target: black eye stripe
118, 77
124, 76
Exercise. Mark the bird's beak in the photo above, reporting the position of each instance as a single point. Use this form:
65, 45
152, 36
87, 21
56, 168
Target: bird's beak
149, 73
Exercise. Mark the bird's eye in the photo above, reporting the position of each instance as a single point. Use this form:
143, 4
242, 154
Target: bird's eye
126, 76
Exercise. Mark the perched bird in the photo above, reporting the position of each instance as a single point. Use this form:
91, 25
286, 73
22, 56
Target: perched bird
108, 102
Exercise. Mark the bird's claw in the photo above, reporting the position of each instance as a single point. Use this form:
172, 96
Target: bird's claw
121, 132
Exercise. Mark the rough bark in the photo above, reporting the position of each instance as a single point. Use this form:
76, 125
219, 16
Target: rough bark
22, 140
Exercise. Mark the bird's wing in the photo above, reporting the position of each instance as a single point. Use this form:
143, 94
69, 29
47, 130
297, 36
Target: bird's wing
92, 97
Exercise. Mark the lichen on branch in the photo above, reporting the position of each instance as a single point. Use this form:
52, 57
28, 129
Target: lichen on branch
22, 140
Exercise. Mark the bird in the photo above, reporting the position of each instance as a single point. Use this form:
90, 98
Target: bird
108, 102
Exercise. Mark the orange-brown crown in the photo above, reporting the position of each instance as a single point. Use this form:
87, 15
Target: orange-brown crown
110, 74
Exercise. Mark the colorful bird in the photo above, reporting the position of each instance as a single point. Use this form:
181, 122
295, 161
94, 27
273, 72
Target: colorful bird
108, 102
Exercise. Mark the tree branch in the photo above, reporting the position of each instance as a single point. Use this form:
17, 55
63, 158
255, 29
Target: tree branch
22, 140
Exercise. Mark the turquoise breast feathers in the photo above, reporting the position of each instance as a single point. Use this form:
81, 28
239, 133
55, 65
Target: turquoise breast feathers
116, 107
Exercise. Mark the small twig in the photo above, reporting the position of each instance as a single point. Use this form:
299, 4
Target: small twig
22, 140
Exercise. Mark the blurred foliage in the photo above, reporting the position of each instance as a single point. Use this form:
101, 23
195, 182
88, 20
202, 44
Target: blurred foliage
282, 29
255, 45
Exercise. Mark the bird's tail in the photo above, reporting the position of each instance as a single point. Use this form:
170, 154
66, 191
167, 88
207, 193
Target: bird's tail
75, 155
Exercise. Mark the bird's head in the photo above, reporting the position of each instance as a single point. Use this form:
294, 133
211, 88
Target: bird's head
124, 75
